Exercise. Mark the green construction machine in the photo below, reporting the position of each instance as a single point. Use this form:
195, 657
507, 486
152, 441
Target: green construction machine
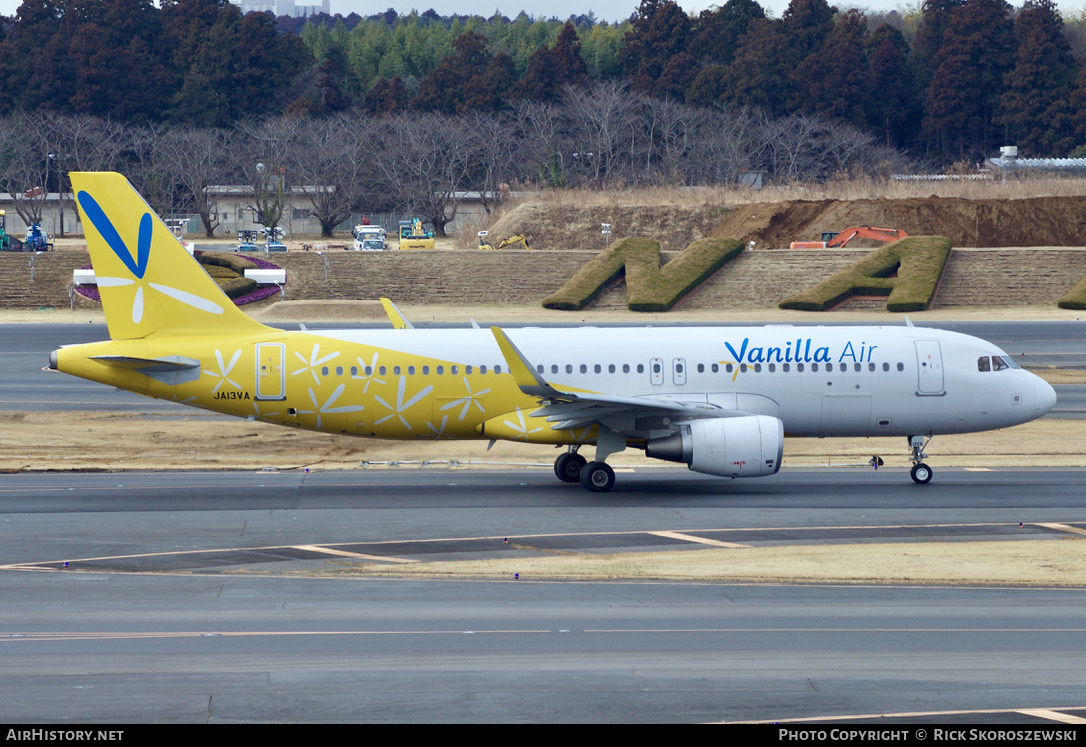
8, 243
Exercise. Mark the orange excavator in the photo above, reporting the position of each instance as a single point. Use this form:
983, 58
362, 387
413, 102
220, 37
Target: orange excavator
836, 240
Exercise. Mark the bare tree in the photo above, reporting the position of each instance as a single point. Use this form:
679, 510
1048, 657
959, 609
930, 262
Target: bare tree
495, 146
197, 160
327, 163
263, 157
425, 161
600, 124
541, 131
24, 166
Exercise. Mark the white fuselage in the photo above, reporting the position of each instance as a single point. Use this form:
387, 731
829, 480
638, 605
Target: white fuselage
820, 381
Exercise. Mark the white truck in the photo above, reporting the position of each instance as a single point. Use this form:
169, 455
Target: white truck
369, 238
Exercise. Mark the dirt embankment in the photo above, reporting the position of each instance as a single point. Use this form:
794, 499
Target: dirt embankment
1039, 221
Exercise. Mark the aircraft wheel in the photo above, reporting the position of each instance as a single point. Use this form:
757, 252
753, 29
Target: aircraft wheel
921, 474
597, 477
568, 467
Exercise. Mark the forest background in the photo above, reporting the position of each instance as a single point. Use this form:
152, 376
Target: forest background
406, 112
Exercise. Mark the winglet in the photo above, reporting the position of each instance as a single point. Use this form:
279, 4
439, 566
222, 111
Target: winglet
529, 382
399, 321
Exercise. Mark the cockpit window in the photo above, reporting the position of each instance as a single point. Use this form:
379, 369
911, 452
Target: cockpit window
996, 363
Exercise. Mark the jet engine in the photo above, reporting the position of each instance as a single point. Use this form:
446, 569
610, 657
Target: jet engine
745, 446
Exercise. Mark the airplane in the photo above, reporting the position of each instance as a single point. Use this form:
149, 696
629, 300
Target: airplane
718, 399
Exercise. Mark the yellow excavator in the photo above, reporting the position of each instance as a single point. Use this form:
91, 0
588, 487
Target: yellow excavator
512, 240
413, 237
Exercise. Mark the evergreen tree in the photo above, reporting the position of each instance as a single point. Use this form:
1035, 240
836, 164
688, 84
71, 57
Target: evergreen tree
458, 78
1037, 88
892, 110
935, 16
658, 31
832, 82
550, 69
717, 31
963, 99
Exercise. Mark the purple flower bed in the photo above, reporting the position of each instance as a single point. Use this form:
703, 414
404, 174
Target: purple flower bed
262, 292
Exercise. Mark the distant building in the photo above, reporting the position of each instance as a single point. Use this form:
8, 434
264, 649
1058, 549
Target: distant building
284, 7
1009, 161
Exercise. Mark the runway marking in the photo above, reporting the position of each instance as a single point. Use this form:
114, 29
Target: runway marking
970, 631
1051, 715
1062, 527
909, 714
357, 555
118, 636
698, 540
32, 637
695, 536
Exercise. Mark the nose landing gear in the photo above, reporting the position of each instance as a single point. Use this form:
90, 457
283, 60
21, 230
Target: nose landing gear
921, 473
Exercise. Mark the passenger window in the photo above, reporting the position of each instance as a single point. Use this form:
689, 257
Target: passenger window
596, 368
454, 369
641, 368
611, 368
410, 370
554, 368
467, 370
395, 370
324, 370
829, 366
425, 370
982, 364
799, 366
787, 367
885, 366
584, 368
440, 370
497, 369
339, 370
569, 368
772, 367
656, 368
539, 369
482, 369
716, 368
625, 368
900, 366
814, 366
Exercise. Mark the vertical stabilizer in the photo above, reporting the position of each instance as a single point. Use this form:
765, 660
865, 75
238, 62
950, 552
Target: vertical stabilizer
148, 282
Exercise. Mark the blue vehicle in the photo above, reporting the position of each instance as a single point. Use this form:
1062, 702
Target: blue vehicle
37, 240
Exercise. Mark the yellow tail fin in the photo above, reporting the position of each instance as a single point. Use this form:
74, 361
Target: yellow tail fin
149, 284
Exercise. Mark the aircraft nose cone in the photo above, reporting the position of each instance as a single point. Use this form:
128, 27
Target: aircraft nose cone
1044, 396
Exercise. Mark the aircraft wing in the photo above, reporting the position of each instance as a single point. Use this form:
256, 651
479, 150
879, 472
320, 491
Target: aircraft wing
568, 409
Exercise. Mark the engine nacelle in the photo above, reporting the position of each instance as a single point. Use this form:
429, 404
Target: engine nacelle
746, 446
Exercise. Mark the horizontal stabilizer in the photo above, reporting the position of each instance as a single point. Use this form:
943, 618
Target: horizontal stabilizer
170, 369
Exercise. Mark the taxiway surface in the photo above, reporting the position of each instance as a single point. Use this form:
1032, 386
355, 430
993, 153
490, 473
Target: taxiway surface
196, 597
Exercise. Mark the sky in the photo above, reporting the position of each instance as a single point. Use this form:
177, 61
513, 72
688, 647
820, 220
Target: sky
607, 10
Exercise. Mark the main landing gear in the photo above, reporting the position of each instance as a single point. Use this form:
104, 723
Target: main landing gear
595, 476
921, 473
